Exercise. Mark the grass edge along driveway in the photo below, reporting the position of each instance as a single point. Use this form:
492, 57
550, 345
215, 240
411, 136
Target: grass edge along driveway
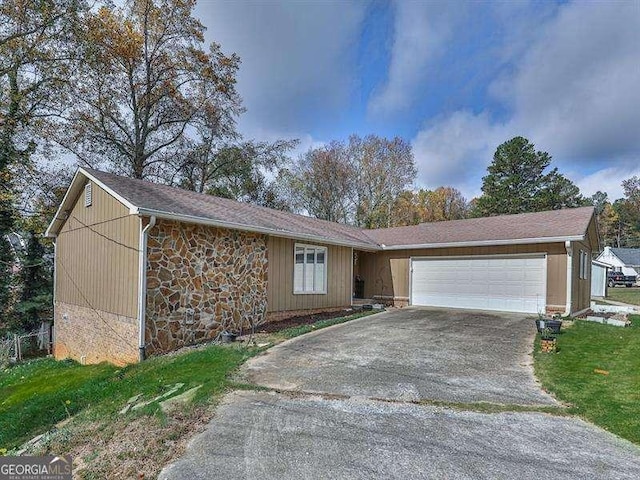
36, 395
596, 371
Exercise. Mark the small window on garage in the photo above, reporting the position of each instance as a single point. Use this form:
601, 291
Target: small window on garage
310, 269
587, 265
88, 197
584, 265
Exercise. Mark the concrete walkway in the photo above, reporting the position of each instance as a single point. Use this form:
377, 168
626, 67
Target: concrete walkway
349, 410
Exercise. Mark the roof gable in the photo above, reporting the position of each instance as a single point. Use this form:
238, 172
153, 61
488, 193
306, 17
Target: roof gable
146, 198
75, 189
628, 256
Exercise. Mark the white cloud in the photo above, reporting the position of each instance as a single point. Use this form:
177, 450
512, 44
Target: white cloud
297, 58
574, 94
456, 150
607, 180
421, 31
576, 90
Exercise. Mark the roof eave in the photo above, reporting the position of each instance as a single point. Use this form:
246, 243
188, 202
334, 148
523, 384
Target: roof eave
486, 243
602, 264
71, 194
252, 228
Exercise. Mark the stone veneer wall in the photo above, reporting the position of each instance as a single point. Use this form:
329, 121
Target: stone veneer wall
200, 279
91, 336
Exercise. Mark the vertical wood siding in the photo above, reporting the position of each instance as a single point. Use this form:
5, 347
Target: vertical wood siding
280, 296
581, 287
97, 256
387, 273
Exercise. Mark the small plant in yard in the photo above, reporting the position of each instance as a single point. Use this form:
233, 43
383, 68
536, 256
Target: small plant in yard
551, 325
548, 340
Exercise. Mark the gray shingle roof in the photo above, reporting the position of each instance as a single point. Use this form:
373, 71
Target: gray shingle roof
151, 198
570, 222
629, 256
162, 198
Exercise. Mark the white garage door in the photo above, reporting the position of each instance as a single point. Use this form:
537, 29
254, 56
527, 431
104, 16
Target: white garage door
509, 283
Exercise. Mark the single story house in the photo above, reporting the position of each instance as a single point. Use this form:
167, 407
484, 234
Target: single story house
625, 260
142, 268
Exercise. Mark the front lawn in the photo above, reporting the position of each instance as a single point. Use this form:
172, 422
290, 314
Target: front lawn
623, 294
608, 397
36, 395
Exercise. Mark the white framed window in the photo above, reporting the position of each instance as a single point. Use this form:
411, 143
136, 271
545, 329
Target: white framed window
88, 197
309, 269
584, 265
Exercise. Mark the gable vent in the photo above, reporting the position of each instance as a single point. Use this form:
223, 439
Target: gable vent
87, 195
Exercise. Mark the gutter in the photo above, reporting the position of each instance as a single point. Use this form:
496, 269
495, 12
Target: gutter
569, 248
480, 243
142, 283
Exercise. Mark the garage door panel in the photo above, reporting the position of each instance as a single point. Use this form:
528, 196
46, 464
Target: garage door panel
514, 283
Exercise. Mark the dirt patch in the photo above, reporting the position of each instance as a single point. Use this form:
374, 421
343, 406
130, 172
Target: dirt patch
299, 320
126, 448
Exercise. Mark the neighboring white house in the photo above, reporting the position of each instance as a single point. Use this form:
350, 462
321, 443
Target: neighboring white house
599, 278
625, 260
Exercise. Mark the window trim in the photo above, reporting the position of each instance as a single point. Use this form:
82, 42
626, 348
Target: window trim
325, 250
583, 273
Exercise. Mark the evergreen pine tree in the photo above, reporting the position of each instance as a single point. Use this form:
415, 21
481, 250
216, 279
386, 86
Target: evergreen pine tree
35, 302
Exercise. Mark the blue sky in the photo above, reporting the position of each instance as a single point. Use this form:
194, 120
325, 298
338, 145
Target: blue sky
454, 78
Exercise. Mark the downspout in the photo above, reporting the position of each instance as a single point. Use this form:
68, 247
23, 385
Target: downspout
569, 248
142, 283
352, 280
55, 294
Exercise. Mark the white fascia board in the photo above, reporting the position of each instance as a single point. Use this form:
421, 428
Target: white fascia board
252, 228
133, 209
72, 192
57, 217
601, 264
485, 243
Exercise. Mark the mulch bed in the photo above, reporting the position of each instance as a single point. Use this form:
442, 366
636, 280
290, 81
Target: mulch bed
278, 325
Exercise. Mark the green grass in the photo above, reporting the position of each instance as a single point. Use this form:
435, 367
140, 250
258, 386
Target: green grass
611, 401
36, 395
623, 294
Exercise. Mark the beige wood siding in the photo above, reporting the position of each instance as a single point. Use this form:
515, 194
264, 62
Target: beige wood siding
97, 256
581, 287
280, 296
386, 273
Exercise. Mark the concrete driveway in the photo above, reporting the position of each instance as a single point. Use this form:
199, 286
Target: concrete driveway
349, 410
411, 354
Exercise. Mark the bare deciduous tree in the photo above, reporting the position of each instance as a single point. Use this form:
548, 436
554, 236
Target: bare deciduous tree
145, 78
355, 182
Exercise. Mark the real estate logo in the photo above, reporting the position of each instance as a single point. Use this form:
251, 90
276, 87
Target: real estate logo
36, 468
